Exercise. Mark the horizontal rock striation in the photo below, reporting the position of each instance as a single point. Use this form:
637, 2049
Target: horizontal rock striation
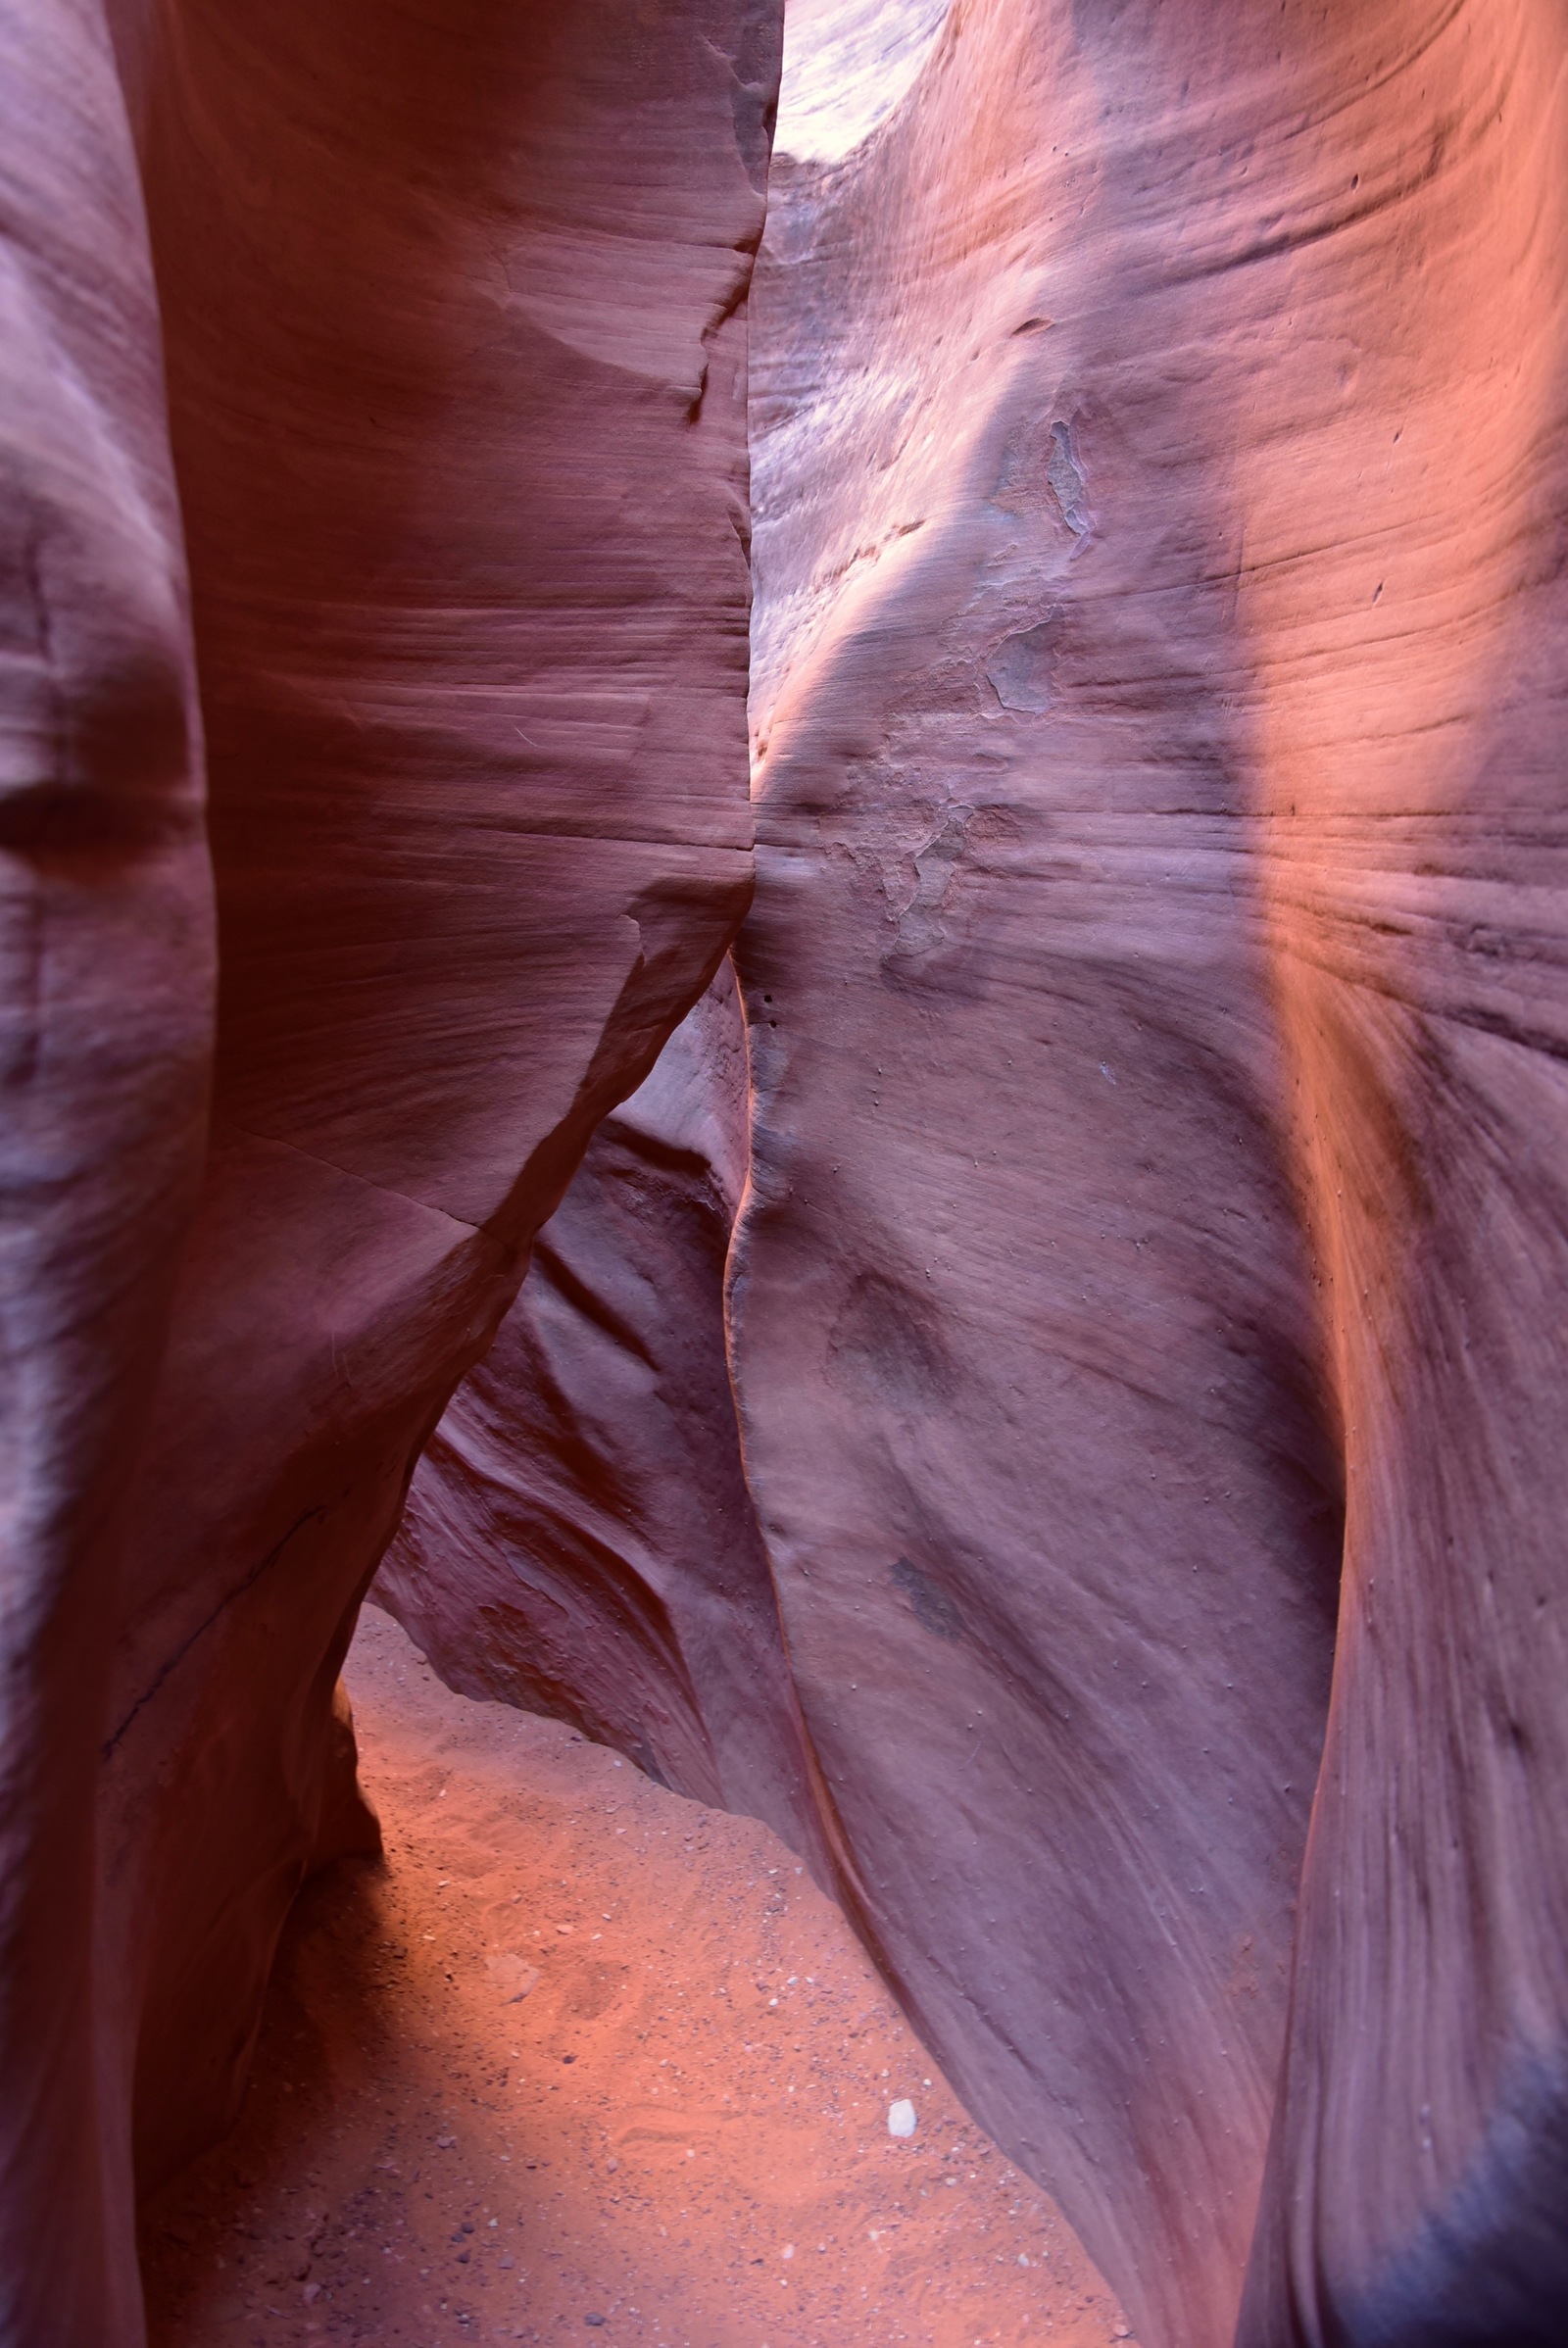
1159, 1115
1145, 1299
451, 313
1048, 1389
106, 1013
579, 1538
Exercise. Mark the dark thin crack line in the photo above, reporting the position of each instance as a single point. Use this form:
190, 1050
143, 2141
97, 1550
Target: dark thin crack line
184, 1649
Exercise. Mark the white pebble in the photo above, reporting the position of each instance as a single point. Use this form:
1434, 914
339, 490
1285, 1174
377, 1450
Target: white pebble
900, 2118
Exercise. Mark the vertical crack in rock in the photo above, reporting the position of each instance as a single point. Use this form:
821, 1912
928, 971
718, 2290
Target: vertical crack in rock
1065, 1337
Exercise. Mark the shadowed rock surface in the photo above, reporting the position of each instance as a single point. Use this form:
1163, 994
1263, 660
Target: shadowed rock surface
579, 1538
1162, 733
1050, 1395
1160, 822
451, 313
105, 1040
1153, 991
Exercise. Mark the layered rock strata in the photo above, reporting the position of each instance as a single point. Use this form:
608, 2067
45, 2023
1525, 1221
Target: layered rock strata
579, 1538
105, 1032
1151, 1265
452, 311
1161, 1131
1145, 1256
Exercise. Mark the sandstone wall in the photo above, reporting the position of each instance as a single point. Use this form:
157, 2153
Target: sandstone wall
451, 313
1057, 1406
1154, 994
1161, 496
579, 1538
105, 1039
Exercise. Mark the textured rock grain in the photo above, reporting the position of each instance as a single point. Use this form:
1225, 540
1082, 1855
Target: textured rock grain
105, 1039
452, 309
1160, 481
1024, 1317
579, 1538
1156, 998
1138, 1298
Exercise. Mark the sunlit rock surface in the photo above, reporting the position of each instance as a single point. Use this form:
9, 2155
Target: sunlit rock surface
1156, 1014
1024, 1321
1050, 1395
1159, 443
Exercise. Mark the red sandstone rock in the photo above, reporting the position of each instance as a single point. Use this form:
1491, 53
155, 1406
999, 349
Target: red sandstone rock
452, 314
579, 1538
1410, 764
1160, 461
1154, 994
1156, 1027
1023, 1321
105, 1032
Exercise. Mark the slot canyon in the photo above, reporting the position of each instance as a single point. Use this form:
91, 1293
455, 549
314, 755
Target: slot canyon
784, 923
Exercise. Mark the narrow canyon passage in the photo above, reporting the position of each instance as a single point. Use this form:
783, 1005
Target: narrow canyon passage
784, 931
585, 2057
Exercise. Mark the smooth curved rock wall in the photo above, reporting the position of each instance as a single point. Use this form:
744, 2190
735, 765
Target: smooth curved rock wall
1143, 1298
1160, 482
1408, 608
1024, 1317
579, 1538
452, 315
1153, 993
105, 1040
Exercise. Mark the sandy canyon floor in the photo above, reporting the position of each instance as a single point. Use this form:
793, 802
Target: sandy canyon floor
584, 2058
